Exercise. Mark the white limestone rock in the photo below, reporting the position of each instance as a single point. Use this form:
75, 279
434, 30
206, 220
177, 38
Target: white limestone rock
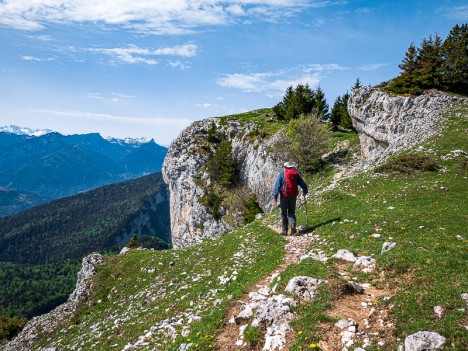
387, 124
304, 287
424, 341
345, 255
365, 263
387, 246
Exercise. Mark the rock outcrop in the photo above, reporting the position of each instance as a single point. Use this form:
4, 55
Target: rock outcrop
387, 124
42, 325
183, 171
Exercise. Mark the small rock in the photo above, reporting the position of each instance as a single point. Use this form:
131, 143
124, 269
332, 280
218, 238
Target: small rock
387, 246
464, 296
342, 324
345, 255
424, 341
184, 347
258, 215
376, 235
304, 287
365, 263
359, 349
124, 250
438, 310
356, 287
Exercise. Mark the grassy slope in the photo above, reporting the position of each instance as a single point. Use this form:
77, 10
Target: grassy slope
127, 288
427, 268
429, 264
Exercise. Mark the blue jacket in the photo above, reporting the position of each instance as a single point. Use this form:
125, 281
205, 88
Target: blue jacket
280, 184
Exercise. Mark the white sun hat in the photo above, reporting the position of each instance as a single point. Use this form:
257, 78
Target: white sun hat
289, 165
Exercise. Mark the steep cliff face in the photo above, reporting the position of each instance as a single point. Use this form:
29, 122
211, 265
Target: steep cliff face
40, 326
183, 170
387, 124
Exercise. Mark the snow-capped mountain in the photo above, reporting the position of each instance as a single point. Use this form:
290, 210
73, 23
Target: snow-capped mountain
129, 141
25, 130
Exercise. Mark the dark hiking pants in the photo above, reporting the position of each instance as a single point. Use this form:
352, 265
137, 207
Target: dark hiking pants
288, 211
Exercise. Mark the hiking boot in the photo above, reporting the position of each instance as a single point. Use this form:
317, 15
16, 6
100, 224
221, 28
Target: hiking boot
293, 231
284, 232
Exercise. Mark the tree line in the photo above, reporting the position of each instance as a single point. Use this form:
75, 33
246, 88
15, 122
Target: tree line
435, 64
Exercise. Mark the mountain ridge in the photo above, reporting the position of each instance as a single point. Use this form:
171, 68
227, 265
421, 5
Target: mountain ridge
53, 165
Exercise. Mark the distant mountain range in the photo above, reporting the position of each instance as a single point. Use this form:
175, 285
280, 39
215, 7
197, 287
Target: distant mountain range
39, 165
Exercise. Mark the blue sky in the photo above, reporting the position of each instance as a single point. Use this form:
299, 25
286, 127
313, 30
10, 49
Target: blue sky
148, 68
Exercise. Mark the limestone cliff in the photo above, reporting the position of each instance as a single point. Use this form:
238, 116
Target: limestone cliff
387, 124
183, 169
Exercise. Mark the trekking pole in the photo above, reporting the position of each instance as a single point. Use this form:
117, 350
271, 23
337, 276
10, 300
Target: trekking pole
307, 215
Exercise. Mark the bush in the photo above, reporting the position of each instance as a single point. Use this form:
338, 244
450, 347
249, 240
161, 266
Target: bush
309, 139
408, 164
10, 327
251, 208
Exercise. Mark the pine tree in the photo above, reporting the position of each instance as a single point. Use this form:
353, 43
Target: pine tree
357, 84
133, 242
455, 57
335, 115
345, 121
430, 63
321, 106
295, 102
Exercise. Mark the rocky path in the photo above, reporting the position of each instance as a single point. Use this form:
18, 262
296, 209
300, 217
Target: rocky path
231, 338
361, 308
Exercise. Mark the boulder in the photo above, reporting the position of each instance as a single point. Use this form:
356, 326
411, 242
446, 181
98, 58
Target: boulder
424, 341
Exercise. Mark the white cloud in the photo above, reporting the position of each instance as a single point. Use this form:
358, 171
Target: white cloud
37, 59
150, 122
108, 97
275, 83
373, 66
178, 64
316, 67
204, 105
135, 54
457, 12
174, 16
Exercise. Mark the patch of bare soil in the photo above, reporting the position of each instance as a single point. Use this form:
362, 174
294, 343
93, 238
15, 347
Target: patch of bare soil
367, 316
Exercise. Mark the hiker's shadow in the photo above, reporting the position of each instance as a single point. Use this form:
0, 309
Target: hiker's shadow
310, 229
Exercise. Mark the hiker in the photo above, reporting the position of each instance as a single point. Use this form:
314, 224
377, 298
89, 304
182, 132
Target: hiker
286, 188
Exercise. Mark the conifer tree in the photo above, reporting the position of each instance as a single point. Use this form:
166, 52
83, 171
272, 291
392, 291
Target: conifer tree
295, 102
455, 57
346, 121
133, 242
357, 84
429, 63
321, 106
335, 114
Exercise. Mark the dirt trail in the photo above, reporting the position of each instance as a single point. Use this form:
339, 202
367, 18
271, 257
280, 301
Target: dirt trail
295, 247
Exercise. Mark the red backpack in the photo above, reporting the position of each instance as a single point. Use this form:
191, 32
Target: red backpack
290, 183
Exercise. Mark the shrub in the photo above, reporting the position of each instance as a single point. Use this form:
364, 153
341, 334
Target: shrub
309, 139
251, 208
408, 164
10, 327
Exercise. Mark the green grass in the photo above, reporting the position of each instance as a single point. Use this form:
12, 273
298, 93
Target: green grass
143, 288
423, 212
264, 118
